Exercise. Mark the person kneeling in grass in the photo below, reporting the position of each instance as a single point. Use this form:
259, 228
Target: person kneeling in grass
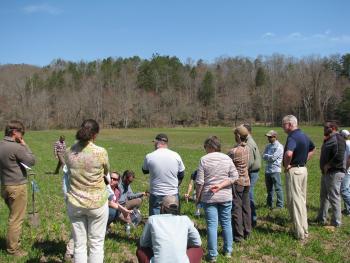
169, 237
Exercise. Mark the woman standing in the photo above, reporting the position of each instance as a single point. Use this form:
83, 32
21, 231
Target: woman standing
87, 203
215, 168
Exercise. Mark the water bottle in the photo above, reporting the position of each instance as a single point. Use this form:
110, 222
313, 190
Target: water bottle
127, 229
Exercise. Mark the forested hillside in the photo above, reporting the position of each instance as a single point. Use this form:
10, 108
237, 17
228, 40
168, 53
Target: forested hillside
163, 91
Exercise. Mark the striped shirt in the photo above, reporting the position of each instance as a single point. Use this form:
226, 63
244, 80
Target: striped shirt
213, 169
59, 148
240, 157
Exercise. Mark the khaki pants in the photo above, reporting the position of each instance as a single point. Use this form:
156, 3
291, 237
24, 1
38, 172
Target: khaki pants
15, 197
296, 185
130, 204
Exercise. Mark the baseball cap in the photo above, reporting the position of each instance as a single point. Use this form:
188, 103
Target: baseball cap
271, 133
170, 202
345, 133
161, 137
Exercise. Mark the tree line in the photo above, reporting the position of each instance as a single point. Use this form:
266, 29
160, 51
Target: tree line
163, 91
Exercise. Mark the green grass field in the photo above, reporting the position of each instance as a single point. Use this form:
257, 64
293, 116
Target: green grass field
270, 241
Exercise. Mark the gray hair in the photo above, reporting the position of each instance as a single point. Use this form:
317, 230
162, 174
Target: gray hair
214, 143
290, 119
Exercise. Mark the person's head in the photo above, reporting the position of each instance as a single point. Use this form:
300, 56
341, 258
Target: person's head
14, 129
161, 141
87, 131
115, 178
170, 205
128, 177
62, 138
271, 136
346, 134
289, 123
248, 127
241, 133
212, 144
329, 127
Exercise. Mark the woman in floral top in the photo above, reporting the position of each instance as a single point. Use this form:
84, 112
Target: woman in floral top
87, 196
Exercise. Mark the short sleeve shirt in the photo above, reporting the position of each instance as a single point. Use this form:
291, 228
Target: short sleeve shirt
300, 145
163, 165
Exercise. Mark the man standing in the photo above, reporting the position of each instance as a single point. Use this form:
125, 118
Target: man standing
345, 184
297, 151
253, 170
333, 168
273, 156
14, 156
166, 171
169, 238
59, 149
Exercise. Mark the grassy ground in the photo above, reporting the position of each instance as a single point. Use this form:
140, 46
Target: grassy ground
270, 241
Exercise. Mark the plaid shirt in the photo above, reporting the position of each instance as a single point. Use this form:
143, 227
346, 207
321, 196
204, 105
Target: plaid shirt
240, 157
59, 148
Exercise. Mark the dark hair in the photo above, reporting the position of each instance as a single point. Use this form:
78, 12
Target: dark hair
62, 137
128, 173
331, 124
88, 129
248, 127
214, 143
14, 126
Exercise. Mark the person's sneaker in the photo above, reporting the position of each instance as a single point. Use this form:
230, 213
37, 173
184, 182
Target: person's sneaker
211, 260
19, 253
228, 255
197, 212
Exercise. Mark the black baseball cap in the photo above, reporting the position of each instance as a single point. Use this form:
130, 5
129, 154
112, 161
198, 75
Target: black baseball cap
161, 137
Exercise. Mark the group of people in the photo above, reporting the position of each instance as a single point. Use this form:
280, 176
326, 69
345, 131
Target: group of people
224, 186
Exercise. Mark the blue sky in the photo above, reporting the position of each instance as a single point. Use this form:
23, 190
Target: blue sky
36, 32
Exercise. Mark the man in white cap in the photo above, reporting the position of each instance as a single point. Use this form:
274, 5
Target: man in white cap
169, 237
273, 155
345, 185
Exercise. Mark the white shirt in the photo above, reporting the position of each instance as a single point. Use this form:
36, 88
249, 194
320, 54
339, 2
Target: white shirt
163, 165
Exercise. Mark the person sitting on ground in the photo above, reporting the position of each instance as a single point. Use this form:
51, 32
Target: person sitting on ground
116, 210
169, 237
128, 198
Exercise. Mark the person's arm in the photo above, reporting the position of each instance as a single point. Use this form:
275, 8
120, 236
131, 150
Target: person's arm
265, 155
189, 189
131, 195
217, 187
55, 150
287, 159
146, 237
24, 154
199, 182
180, 176
193, 237
277, 154
311, 150
145, 168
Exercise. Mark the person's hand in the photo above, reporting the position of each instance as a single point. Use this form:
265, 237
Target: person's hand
215, 188
286, 169
126, 213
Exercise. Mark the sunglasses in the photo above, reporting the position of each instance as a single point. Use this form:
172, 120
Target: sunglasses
114, 179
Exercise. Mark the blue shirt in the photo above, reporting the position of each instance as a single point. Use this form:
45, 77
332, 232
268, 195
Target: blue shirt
169, 236
300, 145
273, 155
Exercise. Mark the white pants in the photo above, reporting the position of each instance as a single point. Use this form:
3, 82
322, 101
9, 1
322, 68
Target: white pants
89, 228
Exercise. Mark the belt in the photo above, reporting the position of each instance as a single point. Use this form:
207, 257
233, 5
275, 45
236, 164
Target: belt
297, 165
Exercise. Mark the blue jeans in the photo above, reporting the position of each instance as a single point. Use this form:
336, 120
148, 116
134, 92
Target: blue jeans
345, 192
273, 182
155, 202
213, 214
330, 196
254, 176
113, 215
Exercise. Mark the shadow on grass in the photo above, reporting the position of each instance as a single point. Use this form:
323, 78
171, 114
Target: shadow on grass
123, 238
3, 244
50, 248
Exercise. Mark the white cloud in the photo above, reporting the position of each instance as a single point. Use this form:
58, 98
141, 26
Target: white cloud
295, 35
268, 35
43, 8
